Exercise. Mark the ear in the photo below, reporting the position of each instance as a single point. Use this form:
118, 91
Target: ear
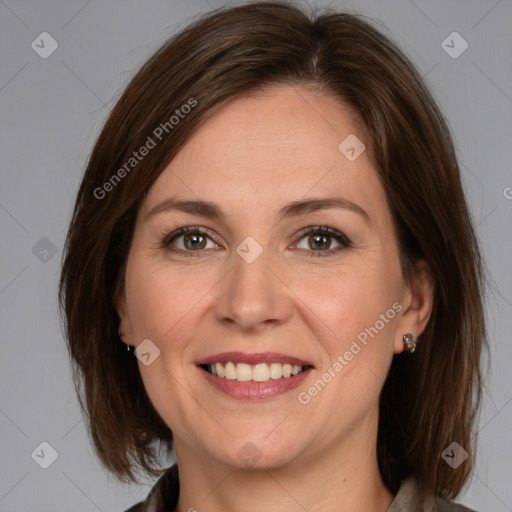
122, 311
417, 302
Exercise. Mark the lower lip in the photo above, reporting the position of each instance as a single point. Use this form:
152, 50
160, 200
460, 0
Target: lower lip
255, 390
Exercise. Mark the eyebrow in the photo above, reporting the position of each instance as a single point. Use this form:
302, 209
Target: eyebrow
294, 209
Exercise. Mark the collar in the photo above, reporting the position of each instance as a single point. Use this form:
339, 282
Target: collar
164, 494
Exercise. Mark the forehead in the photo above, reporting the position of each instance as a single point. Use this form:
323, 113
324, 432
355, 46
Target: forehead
274, 145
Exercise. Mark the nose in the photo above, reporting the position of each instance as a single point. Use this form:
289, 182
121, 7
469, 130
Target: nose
254, 296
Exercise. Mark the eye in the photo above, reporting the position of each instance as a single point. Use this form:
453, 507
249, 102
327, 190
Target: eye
191, 240
187, 240
318, 241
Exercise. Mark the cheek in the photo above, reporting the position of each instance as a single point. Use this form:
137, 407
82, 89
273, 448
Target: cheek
357, 307
355, 299
162, 301
359, 342
357, 346
163, 307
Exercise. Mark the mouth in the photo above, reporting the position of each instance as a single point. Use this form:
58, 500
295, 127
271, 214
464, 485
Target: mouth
262, 372
254, 376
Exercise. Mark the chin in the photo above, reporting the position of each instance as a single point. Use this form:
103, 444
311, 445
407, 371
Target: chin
257, 454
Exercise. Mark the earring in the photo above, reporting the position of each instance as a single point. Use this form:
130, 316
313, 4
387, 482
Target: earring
121, 334
410, 342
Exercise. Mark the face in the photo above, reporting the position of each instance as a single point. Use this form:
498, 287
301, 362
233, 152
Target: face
277, 312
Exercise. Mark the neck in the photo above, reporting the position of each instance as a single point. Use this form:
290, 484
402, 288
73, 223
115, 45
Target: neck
341, 477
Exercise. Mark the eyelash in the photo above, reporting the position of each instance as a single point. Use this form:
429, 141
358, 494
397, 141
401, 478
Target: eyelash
344, 242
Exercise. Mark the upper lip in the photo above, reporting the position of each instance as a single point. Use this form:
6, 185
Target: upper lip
252, 359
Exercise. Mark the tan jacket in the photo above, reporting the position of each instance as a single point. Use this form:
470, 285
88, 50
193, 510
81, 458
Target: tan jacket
163, 497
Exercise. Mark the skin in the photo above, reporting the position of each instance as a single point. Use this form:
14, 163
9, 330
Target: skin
268, 149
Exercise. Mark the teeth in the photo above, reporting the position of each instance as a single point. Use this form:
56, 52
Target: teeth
230, 371
296, 369
261, 372
276, 370
219, 369
243, 372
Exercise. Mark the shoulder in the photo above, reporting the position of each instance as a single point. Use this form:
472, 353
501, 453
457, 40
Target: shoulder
449, 506
163, 496
410, 499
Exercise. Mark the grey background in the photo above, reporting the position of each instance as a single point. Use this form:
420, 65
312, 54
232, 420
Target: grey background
52, 109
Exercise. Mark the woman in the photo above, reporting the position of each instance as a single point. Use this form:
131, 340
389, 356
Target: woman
273, 218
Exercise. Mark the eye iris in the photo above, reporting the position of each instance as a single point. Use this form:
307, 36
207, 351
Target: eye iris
197, 241
320, 241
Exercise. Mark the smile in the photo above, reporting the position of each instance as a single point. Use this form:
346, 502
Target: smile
262, 372
245, 376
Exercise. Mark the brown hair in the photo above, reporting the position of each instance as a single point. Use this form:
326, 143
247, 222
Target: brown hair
430, 399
